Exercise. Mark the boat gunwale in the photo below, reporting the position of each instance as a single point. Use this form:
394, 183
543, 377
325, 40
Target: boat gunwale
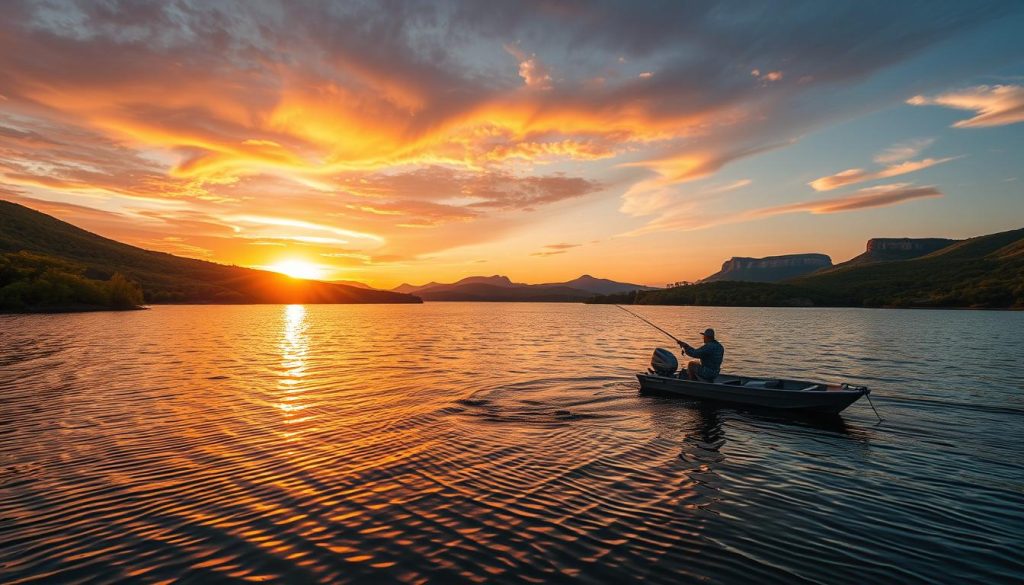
829, 388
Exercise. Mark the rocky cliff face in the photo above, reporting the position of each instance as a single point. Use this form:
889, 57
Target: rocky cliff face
887, 249
771, 268
904, 245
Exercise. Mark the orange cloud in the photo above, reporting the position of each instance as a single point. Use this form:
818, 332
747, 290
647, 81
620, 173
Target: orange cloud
767, 76
880, 196
687, 216
555, 249
853, 176
534, 73
400, 130
994, 105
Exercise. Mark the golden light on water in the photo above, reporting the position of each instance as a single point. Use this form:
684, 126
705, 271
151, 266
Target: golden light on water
294, 347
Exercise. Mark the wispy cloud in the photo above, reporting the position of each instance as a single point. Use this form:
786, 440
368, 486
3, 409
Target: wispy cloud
689, 217
879, 196
410, 125
994, 105
652, 195
767, 76
555, 249
727, 187
853, 176
263, 224
902, 151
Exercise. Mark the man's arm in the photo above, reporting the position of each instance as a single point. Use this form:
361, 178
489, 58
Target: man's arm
697, 352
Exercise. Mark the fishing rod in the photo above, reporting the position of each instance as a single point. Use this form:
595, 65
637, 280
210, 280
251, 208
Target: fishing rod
676, 339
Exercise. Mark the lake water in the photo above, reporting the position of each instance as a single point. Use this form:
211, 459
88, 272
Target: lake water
502, 443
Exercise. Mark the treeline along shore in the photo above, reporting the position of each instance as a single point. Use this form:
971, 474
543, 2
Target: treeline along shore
986, 272
48, 265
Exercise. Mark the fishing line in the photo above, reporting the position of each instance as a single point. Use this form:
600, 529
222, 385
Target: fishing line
868, 395
674, 338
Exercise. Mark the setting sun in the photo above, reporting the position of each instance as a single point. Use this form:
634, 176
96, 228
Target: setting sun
298, 269
344, 291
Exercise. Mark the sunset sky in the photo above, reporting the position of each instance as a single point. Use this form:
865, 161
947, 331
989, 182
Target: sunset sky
391, 142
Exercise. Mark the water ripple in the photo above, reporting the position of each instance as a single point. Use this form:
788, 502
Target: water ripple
500, 443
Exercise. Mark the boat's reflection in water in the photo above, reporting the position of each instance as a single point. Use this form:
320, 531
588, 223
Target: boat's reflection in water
702, 428
463, 442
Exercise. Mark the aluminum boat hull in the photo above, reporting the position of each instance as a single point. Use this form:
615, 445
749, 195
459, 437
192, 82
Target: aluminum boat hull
793, 395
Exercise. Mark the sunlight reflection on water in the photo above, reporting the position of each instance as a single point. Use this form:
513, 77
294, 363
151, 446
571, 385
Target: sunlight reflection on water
501, 442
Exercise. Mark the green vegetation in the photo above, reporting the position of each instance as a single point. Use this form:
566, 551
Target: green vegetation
165, 278
983, 272
726, 294
36, 282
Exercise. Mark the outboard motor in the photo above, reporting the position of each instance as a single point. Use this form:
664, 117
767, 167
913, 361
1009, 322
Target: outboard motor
664, 362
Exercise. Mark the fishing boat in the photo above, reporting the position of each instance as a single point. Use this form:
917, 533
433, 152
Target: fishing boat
794, 395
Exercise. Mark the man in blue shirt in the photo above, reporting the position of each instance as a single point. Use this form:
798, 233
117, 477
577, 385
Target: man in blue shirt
710, 355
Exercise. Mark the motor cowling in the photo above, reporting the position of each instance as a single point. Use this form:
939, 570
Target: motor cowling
664, 362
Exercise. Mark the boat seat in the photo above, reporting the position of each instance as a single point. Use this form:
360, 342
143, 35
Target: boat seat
727, 380
769, 384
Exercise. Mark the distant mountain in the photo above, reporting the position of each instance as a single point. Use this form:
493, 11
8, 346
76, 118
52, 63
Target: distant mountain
164, 277
407, 288
982, 272
353, 283
496, 280
889, 249
501, 288
491, 293
600, 286
770, 269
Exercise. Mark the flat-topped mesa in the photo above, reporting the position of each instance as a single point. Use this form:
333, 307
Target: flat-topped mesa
905, 245
770, 268
888, 249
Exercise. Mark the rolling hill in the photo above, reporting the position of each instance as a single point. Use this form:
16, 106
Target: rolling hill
165, 278
889, 249
986, 271
982, 272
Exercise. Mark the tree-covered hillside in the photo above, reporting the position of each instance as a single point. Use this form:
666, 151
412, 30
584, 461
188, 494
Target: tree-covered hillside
165, 278
982, 272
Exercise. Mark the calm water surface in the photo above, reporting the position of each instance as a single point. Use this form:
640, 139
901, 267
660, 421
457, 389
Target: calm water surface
502, 443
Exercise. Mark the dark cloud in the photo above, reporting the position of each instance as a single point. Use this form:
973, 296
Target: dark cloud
395, 118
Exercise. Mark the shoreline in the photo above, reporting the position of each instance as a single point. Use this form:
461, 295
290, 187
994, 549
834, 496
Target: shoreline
70, 309
63, 309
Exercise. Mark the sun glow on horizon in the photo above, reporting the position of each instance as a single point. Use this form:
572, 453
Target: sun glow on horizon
301, 140
297, 268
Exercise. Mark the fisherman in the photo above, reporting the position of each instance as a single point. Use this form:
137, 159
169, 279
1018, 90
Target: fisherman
710, 355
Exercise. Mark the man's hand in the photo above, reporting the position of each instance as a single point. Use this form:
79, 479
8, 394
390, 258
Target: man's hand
683, 344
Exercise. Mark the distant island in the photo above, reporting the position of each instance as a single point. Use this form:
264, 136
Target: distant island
983, 272
48, 265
